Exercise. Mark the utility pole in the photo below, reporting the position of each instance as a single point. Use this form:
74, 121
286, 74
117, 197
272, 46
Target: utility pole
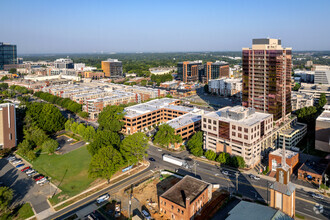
237, 174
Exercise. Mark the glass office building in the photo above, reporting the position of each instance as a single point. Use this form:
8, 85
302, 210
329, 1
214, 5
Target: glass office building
8, 54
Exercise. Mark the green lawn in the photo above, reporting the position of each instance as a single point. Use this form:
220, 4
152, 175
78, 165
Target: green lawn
25, 211
70, 170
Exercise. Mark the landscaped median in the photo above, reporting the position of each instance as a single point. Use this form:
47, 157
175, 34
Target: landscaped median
115, 179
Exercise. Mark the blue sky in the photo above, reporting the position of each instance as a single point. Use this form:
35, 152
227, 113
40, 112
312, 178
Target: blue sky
45, 26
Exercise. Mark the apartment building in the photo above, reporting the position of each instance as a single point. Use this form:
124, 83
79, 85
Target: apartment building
93, 75
226, 87
267, 77
112, 68
63, 63
215, 70
97, 93
140, 117
238, 131
293, 135
322, 130
300, 100
7, 126
316, 90
185, 199
190, 71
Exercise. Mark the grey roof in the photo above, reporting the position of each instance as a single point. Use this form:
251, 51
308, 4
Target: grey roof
249, 210
184, 120
285, 189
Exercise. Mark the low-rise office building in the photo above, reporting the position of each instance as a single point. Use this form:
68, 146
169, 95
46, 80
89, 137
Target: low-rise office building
301, 100
190, 71
238, 131
63, 63
185, 199
312, 172
216, 70
226, 87
112, 68
275, 159
316, 90
293, 135
322, 74
322, 130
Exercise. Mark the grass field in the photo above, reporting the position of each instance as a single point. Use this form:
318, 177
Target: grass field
25, 211
69, 170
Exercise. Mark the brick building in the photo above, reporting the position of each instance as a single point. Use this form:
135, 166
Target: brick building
215, 70
93, 75
312, 172
7, 126
275, 158
185, 199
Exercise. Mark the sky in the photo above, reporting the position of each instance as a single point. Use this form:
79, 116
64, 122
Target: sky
94, 26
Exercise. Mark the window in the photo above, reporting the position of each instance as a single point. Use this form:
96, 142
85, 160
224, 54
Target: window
209, 121
214, 122
178, 210
172, 206
239, 128
246, 130
246, 137
233, 127
204, 119
234, 134
239, 135
209, 127
10, 136
214, 128
204, 125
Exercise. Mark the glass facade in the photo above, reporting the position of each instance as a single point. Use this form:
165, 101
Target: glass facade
189, 71
8, 54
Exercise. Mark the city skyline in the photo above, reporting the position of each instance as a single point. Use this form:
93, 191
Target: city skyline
147, 26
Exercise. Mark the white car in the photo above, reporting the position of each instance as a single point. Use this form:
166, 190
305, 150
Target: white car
17, 161
224, 172
145, 214
41, 180
30, 171
257, 177
159, 149
70, 139
103, 198
317, 196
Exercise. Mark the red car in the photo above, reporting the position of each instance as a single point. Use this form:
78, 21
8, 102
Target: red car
38, 177
26, 168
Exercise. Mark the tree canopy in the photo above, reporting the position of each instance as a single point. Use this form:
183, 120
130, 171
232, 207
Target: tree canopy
195, 144
166, 136
322, 101
6, 195
133, 147
210, 155
111, 118
103, 138
105, 163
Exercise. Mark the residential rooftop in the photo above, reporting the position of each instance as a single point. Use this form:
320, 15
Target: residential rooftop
238, 114
187, 188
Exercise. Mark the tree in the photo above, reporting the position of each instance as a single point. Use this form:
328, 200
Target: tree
105, 163
102, 139
111, 118
83, 114
25, 146
81, 130
36, 135
74, 127
223, 158
322, 101
134, 147
6, 195
68, 124
31, 155
296, 87
89, 133
307, 114
166, 136
4, 78
51, 119
50, 146
210, 155
12, 70
241, 162
195, 144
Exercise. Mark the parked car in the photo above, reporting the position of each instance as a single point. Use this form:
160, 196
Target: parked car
41, 180
43, 183
152, 159
251, 176
224, 172
145, 214
257, 177
38, 177
25, 169
317, 196
103, 198
29, 171
58, 148
159, 149
11, 158
20, 165
31, 174
17, 161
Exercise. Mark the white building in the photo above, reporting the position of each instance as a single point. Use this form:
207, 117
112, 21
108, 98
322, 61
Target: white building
226, 87
305, 76
301, 100
322, 74
316, 90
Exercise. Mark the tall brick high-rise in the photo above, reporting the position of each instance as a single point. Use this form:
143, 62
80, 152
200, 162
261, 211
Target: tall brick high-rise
7, 126
267, 77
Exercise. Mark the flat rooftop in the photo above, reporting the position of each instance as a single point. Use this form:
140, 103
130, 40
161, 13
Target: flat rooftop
188, 187
288, 153
312, 167
184, 120
325, 116
293, 129
249, 120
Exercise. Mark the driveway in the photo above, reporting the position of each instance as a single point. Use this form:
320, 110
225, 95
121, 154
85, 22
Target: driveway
25, 188
66, 144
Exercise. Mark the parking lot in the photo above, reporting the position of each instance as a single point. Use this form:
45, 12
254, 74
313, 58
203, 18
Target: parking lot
25, 188
67, 144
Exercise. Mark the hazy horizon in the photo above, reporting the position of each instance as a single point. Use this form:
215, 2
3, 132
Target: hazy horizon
76, 27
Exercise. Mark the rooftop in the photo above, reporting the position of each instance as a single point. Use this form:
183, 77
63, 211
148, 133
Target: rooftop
314, 87
245, 116
288, 153
249, 210
187, 188
184, 120
312, 167
293, 129
325, 116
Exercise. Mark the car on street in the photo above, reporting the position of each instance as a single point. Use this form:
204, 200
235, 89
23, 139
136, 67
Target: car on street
252, 176
152, 159
20, 165
224, 172
317, 196
25, 169
257, 177
145, 214
17, 161
103, 198
159, 149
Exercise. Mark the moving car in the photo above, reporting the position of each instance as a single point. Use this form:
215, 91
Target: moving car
103, 198
152, 159
20, 165
224, 172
